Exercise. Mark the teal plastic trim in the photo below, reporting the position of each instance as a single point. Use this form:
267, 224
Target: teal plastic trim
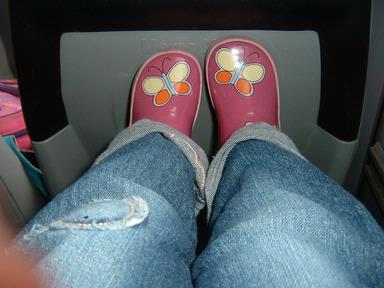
34, 173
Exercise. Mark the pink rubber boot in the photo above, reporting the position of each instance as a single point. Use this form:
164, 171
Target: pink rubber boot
167, 89
242, 84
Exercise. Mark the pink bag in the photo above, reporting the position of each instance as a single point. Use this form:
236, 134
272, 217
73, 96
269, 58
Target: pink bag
11, 115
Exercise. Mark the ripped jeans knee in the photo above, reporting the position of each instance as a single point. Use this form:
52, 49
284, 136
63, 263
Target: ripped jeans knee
99, 215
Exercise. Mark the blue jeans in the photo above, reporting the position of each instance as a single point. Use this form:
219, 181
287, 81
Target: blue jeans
276, 221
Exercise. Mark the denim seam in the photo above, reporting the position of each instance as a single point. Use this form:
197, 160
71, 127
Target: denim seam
195, 155
257, 131
196, 160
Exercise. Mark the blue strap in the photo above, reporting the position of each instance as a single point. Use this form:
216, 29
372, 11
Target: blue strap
32, 171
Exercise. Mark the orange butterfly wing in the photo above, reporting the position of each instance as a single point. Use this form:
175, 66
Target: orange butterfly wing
182, 88
162, 97
223, 77
244, 87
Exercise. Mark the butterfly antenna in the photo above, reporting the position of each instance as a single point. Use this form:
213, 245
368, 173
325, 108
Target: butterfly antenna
258, 56
154, 68
162, 63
